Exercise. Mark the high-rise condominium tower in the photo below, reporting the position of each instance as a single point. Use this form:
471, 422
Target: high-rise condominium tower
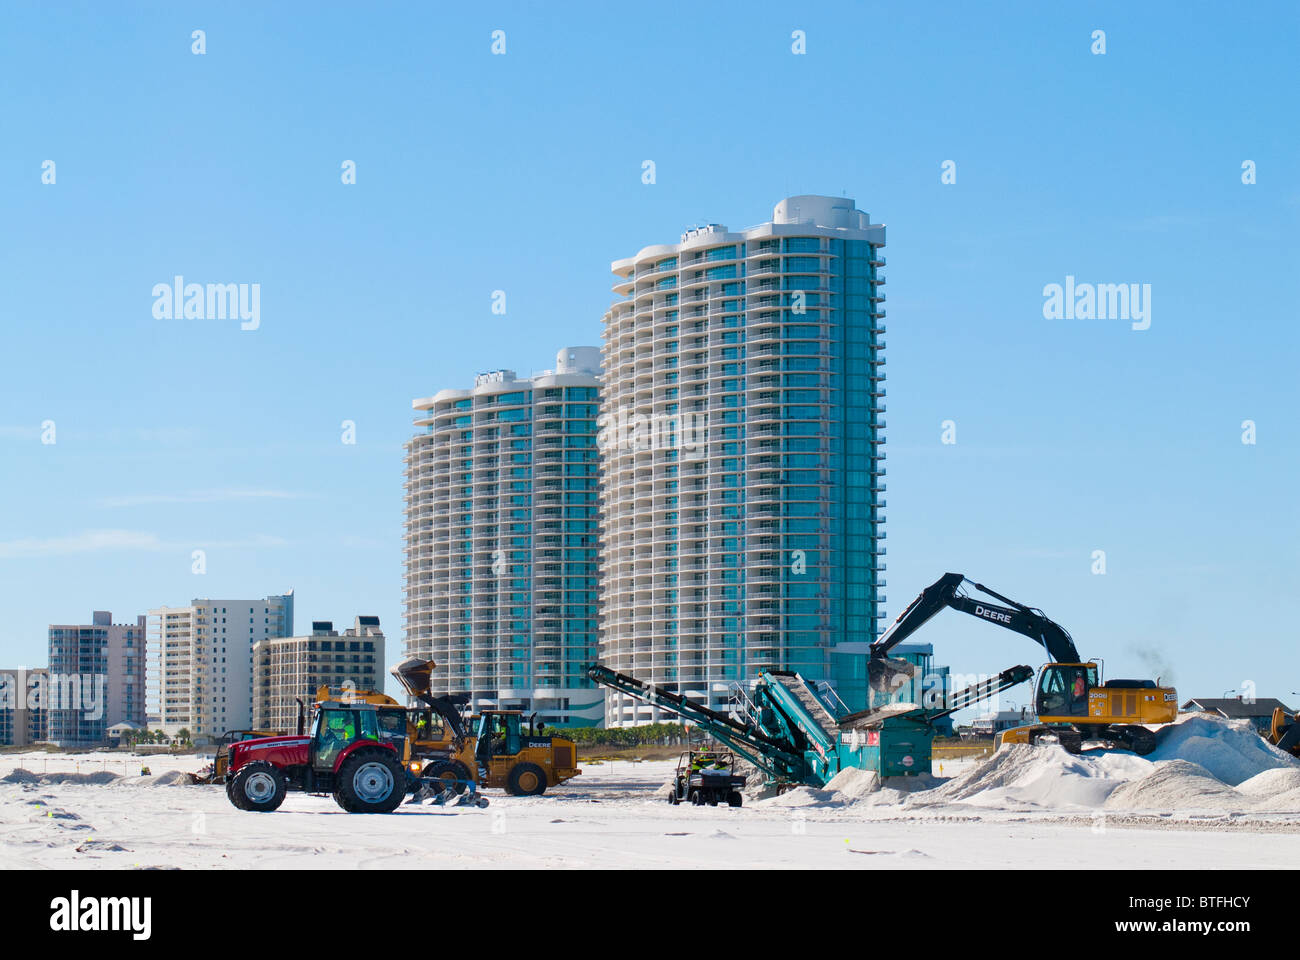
759, 547
502, 544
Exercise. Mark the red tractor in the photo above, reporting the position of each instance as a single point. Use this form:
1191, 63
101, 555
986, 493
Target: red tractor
353, 751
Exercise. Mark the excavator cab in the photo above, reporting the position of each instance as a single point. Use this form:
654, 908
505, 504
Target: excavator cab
1063, 689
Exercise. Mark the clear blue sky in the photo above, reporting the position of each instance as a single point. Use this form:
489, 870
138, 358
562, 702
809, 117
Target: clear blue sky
523, 173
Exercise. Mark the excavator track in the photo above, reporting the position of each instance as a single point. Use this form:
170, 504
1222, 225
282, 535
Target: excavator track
1136, 738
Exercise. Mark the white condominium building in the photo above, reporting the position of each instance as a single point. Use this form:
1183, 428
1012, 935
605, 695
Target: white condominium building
201, 661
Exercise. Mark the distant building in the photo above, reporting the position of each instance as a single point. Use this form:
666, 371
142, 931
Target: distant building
118, 731
201, 661
288, 668
1259, 711
22, 712
929, 686
97, 679
989, 724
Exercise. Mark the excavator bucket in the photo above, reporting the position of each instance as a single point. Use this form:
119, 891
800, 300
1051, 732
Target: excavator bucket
887, 674
414, 674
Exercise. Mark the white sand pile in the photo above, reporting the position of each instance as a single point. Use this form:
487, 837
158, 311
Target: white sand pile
1176, 785
98, 778
1229, 749
854, 783
1040, 776
172, 778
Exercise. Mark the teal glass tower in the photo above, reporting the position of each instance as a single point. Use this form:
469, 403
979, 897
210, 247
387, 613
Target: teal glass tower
742, 526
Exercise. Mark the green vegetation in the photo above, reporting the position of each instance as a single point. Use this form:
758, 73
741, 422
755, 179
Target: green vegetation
650, 734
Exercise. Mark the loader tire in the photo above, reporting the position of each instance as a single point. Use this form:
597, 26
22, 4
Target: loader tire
526, 780
258, 787
372, 781
455, 773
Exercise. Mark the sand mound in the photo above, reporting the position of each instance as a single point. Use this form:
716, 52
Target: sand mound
1271, 783
172, 778
854, 783
1038, 776
1176, 785
804, 797
1231, 750
26, 776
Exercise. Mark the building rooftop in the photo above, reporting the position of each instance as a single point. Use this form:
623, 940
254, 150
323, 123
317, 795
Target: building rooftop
1236, 707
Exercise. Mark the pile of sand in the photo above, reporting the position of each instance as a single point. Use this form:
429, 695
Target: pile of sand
1176, 785
1201, 762
854, 783
98, 778
1231, 750
1038, 776
172, 778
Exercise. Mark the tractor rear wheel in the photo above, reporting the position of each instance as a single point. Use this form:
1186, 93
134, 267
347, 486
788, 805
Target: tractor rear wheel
453, 772
526, 780
370, 782
257, 786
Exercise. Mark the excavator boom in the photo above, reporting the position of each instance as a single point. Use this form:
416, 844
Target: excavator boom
948, 591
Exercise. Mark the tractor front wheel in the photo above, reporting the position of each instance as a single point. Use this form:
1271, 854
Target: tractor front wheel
526, 780
257, 786
370, 782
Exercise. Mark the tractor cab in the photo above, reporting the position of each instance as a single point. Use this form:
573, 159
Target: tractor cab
337, 726
1063, 689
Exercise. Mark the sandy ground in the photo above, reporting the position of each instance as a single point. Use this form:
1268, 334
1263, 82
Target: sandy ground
1025, 807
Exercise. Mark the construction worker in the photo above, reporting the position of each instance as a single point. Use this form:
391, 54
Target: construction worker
1077, 693
338, 731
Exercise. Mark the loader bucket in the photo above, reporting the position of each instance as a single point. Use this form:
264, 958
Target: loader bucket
414, 675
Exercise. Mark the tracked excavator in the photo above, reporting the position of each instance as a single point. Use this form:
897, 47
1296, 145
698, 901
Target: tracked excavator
1073, 704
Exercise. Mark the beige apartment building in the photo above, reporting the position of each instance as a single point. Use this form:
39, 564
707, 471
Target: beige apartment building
286, 669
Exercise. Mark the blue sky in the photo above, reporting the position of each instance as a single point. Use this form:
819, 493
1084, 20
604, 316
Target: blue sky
522, 172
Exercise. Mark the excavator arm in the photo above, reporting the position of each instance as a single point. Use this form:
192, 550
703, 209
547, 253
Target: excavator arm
949, 591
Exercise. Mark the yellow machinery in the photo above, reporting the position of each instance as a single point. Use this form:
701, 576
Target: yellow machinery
503, 751
1284, 732
1072, 703
221, 762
